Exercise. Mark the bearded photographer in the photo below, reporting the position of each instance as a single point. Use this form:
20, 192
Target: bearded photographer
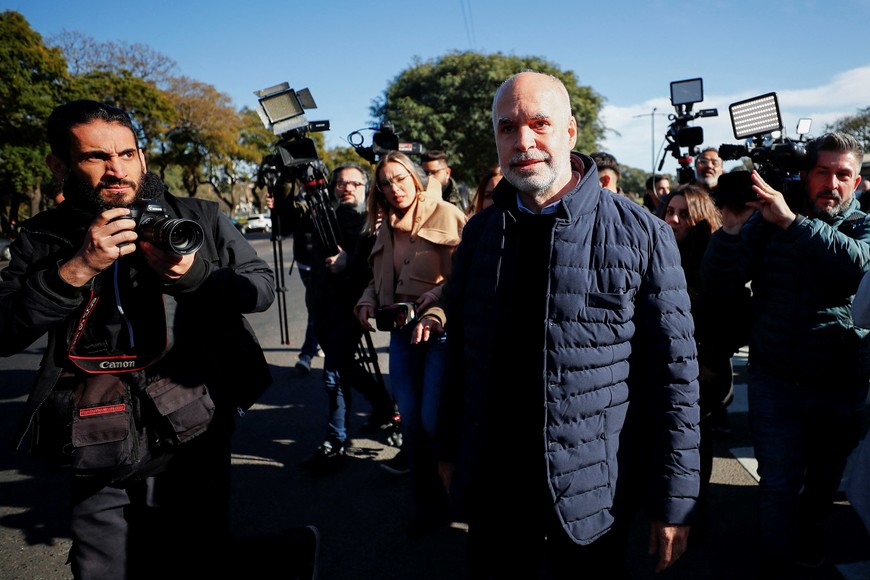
148, 352
808, 364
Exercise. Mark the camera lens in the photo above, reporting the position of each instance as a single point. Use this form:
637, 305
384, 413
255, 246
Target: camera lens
182, 236
177, 235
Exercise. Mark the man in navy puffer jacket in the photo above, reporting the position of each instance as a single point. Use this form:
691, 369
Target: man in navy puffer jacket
571, 347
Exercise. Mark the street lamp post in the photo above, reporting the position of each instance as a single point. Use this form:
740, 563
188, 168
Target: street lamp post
652, 117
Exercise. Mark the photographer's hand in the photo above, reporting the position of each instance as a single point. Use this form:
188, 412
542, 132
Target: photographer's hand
168, 265
107, 239
337, 263
771, 203
364, 313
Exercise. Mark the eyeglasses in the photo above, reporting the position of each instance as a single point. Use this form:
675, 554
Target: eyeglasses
385, 183
431, 172
349, 184
711, 162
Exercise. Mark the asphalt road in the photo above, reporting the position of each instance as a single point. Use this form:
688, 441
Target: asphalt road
361, 510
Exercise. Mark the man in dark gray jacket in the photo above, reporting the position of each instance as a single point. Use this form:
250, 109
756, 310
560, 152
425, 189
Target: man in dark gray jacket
572, 361
148, 352
804, 255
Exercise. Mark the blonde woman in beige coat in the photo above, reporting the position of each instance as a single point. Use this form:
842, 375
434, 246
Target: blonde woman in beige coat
416, 234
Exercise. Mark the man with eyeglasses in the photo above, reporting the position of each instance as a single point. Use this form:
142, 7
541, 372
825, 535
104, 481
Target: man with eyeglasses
708, 168
336, 283
434, 164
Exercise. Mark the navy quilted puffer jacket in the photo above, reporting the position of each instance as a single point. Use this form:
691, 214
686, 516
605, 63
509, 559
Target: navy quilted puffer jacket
619, 335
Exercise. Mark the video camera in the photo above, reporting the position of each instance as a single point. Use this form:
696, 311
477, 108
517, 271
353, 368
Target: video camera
778, 159
384, 140
684, 94
296, 162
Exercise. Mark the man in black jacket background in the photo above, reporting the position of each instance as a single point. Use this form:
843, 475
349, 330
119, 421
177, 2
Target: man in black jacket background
337, 281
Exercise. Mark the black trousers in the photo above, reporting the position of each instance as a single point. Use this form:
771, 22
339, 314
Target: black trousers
171, 525
523, 538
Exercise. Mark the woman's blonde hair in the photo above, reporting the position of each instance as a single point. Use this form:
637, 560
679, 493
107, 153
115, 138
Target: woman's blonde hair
376, 202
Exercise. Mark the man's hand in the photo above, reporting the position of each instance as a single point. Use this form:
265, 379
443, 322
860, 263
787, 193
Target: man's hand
771, 203
337, 263
364, 313
107, 239
669, 541
425, 328
168, 265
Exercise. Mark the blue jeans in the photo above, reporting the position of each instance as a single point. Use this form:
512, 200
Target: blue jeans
342, 374
803, 435
309, 343
417, 373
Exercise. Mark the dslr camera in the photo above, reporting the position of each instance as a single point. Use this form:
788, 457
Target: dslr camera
179, 236
395, 316
778, 159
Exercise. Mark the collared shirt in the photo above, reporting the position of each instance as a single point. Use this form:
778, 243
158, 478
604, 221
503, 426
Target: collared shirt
552, 208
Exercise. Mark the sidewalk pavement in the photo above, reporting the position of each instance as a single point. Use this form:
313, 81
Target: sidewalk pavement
362, 510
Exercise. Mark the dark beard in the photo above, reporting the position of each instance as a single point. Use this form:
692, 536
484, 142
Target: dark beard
89, 199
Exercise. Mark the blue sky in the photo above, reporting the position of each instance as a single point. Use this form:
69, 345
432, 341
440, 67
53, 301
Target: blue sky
812, 53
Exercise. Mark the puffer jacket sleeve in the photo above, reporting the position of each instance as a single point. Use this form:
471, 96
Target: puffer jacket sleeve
665, 381
449, 425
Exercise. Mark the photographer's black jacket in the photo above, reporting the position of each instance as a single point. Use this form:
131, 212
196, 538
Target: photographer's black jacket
212, 337
335, 294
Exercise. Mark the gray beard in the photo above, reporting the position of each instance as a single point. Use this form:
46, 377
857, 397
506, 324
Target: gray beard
358, 207
826, 213
536, 186
710, 182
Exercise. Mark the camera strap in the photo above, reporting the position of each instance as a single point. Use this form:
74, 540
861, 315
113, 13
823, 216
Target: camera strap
126, 324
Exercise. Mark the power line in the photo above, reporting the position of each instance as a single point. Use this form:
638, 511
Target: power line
468, 21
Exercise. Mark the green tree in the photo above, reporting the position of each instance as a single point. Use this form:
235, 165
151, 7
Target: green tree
857, 125
341, 155
151, 108
446, 104
132, 77
632, 181
205, 140
34, 76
